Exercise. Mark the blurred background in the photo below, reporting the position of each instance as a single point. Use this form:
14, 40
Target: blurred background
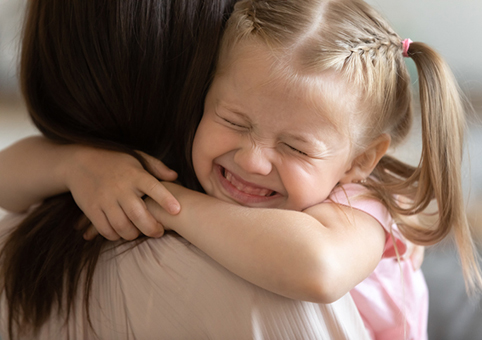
454, 29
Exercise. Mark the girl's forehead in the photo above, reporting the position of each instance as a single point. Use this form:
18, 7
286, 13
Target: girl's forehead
326, 92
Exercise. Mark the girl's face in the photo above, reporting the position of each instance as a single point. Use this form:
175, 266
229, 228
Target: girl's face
261, 143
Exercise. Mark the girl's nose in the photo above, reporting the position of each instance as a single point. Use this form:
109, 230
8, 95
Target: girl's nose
254, 159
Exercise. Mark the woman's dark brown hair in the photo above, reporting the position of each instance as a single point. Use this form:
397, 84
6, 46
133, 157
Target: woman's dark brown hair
123, 75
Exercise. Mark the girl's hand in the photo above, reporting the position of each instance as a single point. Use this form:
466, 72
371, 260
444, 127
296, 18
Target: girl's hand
159, 213
109, 186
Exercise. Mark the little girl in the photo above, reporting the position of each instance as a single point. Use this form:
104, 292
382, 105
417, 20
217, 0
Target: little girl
306, 99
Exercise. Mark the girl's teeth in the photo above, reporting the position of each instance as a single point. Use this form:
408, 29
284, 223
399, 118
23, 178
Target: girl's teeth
245, 188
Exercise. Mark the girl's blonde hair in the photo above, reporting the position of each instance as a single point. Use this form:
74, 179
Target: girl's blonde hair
351, 38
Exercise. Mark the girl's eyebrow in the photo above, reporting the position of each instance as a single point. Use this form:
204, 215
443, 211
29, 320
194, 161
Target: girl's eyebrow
234, 110
315, 143
296, 137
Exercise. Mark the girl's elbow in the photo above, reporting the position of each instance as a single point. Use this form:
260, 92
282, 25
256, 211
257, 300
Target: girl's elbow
15, 206
324, 290
328, 283
12, 208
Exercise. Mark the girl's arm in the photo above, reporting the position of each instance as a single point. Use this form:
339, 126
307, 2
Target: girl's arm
317, 255
30, 172
106, 185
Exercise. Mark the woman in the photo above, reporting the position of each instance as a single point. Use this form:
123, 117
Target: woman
126, 76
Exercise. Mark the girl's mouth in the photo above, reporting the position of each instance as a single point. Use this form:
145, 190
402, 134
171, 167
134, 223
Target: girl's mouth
246, 187
244, 192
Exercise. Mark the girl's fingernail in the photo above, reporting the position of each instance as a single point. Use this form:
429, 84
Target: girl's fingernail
173, 208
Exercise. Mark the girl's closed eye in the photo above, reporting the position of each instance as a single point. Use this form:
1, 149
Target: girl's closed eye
235, 124
296, 150
232, 123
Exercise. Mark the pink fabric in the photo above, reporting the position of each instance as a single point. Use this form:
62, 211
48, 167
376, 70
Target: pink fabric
393, 300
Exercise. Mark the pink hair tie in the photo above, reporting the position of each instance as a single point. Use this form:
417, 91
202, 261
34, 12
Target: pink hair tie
406, 45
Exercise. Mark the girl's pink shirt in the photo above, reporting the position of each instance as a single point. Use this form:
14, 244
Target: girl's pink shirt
393, 300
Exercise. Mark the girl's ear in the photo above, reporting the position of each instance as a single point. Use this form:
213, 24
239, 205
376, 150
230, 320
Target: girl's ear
363, 164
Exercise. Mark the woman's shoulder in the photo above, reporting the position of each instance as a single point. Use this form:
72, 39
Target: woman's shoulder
167, 285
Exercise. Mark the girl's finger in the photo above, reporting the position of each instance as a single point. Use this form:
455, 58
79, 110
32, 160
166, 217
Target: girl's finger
82, 223
136, 211
158, 192
121, 224
101, 224
158, 168
90, 233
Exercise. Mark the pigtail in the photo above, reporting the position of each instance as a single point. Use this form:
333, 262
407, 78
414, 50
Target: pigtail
439, 173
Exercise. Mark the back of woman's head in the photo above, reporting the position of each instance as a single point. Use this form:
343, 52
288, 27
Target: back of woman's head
119, 74
125, 75
348, 37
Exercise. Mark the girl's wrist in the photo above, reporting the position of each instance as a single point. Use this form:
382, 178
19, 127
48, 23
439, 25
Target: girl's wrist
179, 221
73, 157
